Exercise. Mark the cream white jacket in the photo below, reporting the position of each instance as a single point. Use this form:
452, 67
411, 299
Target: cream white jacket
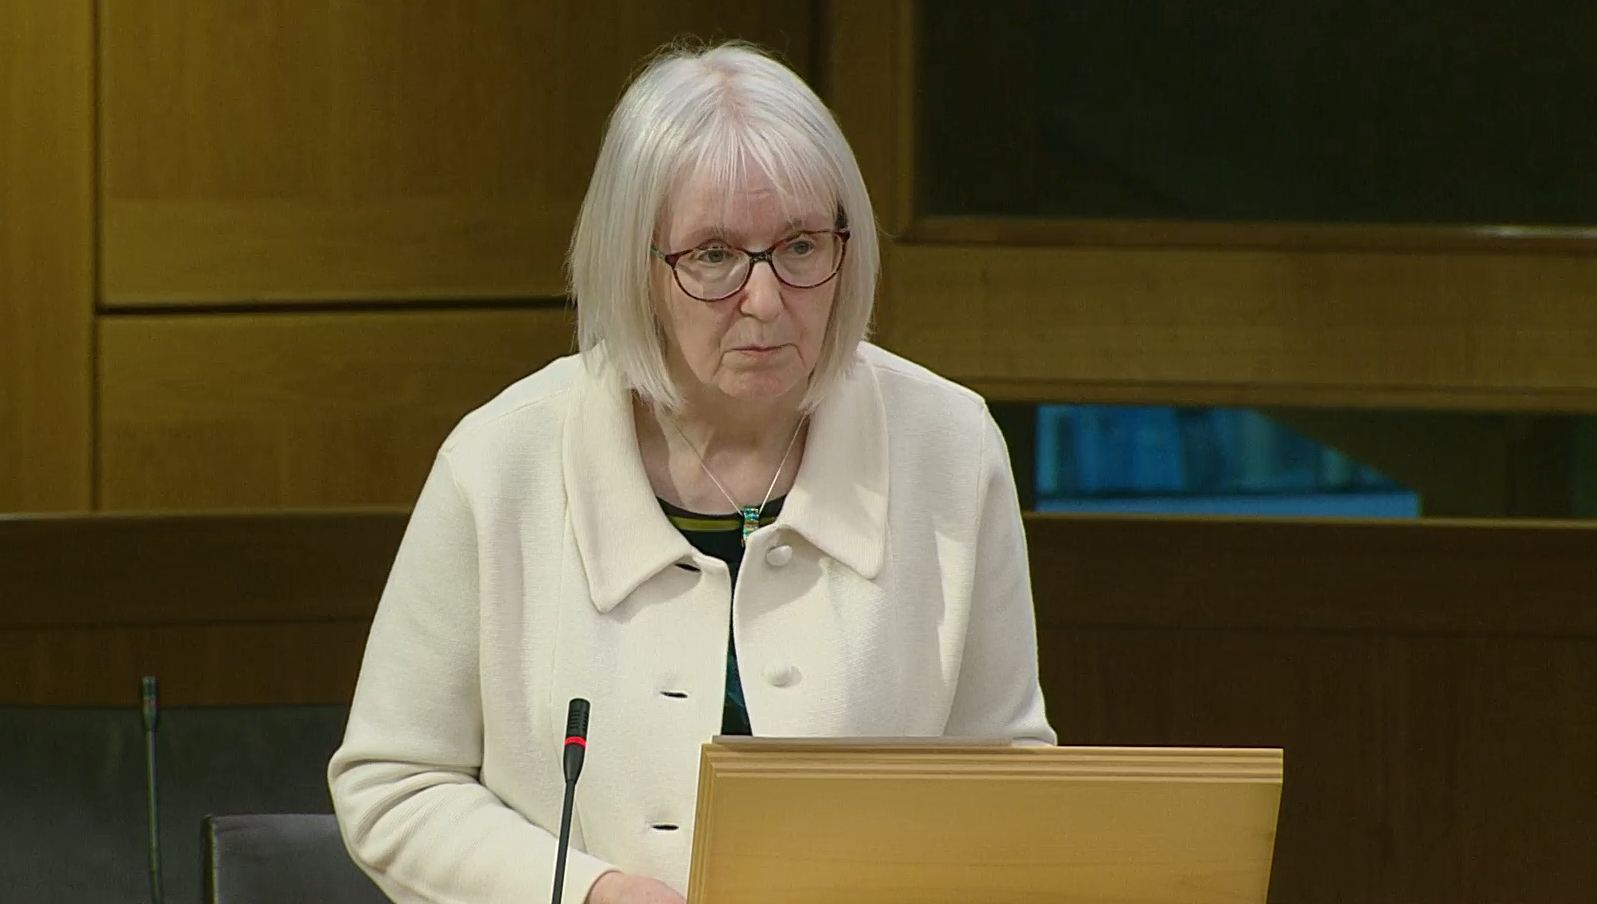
890, 598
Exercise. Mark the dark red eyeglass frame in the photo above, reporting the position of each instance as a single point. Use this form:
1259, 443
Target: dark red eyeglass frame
756, 257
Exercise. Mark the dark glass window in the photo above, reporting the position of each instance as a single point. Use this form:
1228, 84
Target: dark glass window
1323, 111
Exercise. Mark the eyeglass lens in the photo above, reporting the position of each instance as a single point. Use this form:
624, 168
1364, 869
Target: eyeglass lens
715, 270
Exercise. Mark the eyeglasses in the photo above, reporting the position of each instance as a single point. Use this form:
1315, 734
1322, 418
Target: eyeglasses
715, 270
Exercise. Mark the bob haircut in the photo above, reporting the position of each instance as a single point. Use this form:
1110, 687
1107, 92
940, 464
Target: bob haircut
715, 113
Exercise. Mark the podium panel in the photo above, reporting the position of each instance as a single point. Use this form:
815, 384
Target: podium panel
782, 822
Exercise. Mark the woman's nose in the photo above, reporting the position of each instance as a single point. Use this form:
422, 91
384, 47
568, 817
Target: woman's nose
762, 295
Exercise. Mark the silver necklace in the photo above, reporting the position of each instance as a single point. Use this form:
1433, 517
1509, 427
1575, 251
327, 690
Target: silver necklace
751, 515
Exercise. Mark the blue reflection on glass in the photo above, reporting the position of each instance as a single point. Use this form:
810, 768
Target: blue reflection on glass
1232, 461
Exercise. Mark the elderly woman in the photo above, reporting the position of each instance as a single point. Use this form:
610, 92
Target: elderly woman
727, 514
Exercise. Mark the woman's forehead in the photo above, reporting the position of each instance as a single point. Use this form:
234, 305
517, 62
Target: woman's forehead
754, 207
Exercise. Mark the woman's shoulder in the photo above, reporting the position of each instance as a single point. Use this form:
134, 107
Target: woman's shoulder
522, 412
933, 424
911, 390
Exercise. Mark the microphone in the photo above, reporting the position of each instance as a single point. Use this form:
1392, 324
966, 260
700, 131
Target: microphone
575, 748
150, 696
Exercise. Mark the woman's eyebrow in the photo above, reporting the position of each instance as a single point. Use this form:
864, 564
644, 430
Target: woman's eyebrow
722, 233
704, 234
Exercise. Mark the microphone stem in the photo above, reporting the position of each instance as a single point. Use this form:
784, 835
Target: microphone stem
153, 815
565, 838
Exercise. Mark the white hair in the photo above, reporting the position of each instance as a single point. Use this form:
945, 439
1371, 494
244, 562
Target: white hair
718, 113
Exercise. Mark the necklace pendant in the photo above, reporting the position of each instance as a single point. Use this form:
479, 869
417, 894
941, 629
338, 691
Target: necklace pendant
751, 522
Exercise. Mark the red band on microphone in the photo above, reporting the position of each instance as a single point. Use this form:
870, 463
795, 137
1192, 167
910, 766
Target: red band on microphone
580, 742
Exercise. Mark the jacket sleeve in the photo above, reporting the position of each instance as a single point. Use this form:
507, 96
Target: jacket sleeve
404, 782
999, 694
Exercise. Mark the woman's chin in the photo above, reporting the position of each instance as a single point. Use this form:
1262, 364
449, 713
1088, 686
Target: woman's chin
755, 386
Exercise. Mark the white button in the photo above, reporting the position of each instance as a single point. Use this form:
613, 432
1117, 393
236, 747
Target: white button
777, 556
780, 674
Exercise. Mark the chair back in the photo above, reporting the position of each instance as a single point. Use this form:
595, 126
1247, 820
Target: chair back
281, 858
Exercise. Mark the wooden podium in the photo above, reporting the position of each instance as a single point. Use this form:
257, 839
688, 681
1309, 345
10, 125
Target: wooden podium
967, 822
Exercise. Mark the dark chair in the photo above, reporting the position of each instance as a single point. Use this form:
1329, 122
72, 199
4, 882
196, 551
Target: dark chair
281, 858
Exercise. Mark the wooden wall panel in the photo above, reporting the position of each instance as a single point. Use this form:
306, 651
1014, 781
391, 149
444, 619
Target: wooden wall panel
226, 609
1337, 576
870, 73
282, 663
298, 409
1289, 328
46, 254
1417, 768
278, 150
1433, 685
118, 569
869, 79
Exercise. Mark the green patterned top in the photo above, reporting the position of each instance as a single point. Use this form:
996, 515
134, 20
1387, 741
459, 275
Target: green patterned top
722, 536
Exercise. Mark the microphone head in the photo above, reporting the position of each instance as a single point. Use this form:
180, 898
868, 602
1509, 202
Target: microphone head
150, 698
576, 739
577, 720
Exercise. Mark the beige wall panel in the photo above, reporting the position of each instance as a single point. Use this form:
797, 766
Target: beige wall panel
299, 410
46, 253
284, 150
1259, 327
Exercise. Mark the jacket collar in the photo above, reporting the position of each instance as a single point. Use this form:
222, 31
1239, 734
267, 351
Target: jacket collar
838, 502
839, 499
